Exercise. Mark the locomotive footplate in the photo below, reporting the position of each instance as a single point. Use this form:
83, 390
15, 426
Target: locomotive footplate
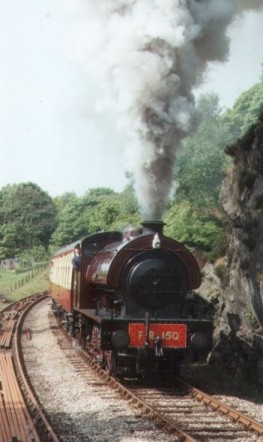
121, 333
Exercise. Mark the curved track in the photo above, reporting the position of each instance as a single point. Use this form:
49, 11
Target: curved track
21, 417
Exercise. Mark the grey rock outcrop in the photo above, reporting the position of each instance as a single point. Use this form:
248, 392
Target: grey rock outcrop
242, 200
239, 317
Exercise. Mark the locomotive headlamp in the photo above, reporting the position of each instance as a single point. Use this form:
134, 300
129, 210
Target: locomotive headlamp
156, 243
199, 341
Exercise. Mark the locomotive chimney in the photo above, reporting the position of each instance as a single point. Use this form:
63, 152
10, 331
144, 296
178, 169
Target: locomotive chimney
153, 227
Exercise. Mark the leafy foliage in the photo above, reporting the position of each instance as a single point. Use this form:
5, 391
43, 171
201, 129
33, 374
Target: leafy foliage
36, 254
27, 218
62, 200
196, 229
202, 164
245, 111
100, 209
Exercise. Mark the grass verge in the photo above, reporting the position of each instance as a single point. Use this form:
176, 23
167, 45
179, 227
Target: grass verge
37, 283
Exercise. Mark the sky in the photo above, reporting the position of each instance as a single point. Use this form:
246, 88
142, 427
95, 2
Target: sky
50, 133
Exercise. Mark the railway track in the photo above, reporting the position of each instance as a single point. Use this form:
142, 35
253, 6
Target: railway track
180, 413
80, 405
187, 412
191, 413
21, 418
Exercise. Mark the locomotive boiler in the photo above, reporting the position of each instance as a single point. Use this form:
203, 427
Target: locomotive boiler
127, 299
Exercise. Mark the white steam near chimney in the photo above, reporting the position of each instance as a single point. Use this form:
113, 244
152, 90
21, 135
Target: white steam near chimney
147, 56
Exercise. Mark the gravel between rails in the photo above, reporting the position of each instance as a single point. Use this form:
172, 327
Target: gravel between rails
78, 407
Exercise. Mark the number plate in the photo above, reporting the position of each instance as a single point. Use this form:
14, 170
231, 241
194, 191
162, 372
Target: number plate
172, 335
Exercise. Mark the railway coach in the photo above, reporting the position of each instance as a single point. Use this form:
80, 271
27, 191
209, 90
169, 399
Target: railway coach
127, 297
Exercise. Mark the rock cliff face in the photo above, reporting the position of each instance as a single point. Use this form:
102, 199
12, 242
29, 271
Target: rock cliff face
239, 330
242, 200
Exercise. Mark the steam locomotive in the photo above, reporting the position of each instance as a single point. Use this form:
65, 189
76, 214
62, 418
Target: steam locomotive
127, 299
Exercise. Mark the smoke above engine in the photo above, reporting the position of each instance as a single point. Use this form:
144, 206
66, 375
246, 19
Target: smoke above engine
147, 55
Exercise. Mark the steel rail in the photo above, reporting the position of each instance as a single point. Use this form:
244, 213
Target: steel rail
237, 416
18, 357
170, 425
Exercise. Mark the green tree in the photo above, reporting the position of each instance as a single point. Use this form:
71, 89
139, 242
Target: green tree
202, 163
85, 215
62, 200
196, 229
27, 218
34, 255
104, 214
245, 111
129, 213
71, 224
100, 209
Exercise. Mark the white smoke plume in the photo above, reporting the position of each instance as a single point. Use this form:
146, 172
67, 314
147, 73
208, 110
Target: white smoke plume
147, 56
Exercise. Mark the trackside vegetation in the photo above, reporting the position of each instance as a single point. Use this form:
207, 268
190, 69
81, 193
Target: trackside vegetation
14, 286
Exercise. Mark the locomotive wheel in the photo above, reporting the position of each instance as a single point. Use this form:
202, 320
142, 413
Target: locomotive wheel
109, 362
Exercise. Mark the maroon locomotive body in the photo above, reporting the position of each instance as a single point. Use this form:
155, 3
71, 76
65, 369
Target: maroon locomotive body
127, 298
